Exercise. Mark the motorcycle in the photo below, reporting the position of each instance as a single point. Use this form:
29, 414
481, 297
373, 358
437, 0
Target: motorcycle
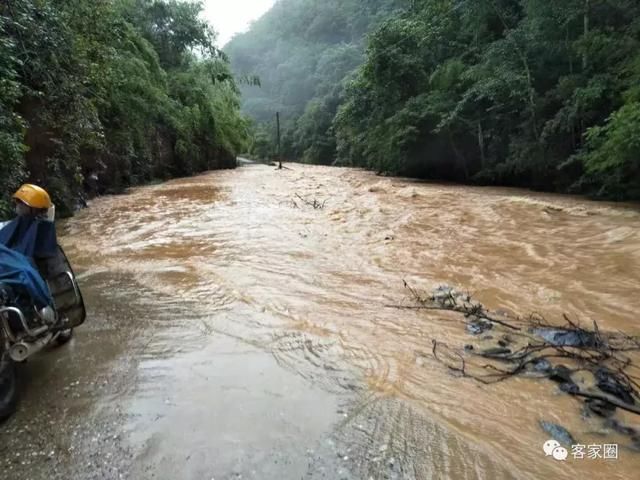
26, 329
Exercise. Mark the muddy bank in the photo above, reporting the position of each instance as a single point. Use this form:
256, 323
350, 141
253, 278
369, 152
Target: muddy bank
139, 394
69, 411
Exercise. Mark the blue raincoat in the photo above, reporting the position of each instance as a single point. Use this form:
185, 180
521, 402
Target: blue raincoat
31, 236
17, 272
20, 239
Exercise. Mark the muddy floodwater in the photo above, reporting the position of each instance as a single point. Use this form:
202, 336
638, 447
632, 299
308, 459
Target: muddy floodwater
235, 331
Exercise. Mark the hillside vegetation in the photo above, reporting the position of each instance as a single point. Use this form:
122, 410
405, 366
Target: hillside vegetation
527, 93
302, 51
97, 95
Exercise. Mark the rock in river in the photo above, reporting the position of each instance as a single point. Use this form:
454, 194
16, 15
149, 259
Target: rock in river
557, 432
479, 326
607, 382
560, 374
496, 352
566, 338
600, 407
620, 428
541, 365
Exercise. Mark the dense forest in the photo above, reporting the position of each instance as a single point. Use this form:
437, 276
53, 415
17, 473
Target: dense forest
533, 93
97, 95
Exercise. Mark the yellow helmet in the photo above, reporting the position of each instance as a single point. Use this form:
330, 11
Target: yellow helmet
33, 196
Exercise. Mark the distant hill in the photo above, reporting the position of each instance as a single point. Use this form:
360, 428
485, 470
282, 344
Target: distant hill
302, 50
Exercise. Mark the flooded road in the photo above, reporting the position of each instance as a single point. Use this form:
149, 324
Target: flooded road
235, 331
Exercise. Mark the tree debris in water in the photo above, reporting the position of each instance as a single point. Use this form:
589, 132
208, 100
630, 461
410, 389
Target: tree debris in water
315, 203
536, 348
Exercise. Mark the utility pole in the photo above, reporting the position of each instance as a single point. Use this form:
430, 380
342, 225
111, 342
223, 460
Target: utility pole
585, 57
278, 135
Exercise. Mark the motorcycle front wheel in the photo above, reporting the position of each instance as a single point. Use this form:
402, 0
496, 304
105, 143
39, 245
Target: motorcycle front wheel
64, 337
8, 387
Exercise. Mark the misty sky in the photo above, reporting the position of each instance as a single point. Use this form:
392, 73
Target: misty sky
233, 16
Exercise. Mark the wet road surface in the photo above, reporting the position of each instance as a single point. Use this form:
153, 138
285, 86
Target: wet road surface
235, 331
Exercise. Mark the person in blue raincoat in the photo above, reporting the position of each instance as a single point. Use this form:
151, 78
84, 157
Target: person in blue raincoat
29, 237
32, 232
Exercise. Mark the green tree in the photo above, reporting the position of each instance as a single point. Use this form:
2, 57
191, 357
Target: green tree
513, 92
128, 90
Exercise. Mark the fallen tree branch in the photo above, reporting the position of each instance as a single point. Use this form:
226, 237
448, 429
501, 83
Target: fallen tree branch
585, 349
449, 299
607, 398
317, 205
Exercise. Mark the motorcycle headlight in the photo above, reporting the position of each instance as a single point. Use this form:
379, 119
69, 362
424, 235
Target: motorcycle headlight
48, 315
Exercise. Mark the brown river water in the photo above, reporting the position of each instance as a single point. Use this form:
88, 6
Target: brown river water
237, 332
